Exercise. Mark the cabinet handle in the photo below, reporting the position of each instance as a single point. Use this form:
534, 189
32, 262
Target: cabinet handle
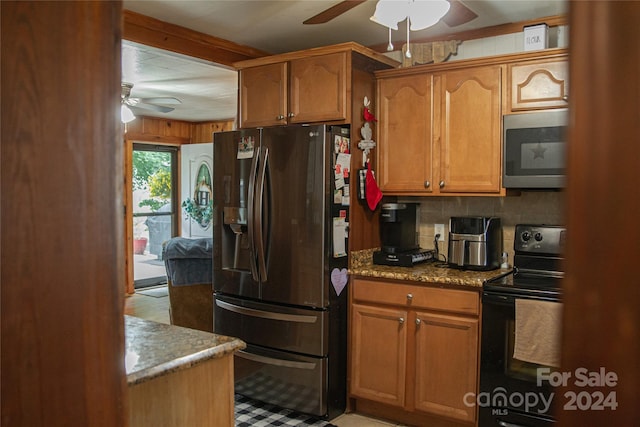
401, 320
409, 297
280, 117
418, 322
441, 184
427, 184
565, 98
291, 115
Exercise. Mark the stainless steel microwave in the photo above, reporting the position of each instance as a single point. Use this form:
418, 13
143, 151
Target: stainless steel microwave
534, 147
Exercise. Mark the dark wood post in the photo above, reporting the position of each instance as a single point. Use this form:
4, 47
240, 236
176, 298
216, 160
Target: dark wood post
602, 288
62, 272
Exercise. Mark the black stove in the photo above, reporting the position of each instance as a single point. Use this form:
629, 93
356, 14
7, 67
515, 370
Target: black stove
519, 284
538, 263
537, 276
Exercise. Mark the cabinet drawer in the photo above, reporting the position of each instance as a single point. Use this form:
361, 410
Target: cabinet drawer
372, 291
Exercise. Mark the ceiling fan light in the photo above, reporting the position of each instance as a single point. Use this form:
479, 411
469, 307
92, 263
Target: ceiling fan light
390, 12
126, 115
426, 13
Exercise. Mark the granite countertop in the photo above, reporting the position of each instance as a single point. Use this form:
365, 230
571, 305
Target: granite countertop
361, 264
154, 349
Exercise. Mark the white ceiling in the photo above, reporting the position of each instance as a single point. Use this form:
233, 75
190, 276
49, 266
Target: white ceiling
209, 92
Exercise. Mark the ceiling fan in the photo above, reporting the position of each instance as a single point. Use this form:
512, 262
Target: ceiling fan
458, 13
147, 103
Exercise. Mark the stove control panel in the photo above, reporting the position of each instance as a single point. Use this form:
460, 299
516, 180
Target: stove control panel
539, 239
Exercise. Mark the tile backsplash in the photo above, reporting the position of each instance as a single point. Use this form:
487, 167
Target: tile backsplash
533, 207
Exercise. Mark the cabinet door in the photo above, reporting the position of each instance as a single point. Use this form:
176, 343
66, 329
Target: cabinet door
405, 134
263, 95
470, 144
539, 85
378, 353
446, 355
318, 90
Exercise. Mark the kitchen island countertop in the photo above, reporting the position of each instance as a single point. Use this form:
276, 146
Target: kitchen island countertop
361, 264
155, 349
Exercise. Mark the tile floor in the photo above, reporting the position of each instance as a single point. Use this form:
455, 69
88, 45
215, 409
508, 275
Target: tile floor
157, 309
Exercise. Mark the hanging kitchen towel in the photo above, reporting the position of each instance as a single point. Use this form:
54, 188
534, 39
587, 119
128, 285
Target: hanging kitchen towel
537, 337
374, 195
362, 178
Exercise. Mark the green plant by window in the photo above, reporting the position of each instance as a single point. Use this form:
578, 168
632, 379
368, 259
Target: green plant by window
159, 189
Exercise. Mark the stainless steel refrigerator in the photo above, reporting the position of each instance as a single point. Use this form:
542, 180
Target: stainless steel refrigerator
281, 206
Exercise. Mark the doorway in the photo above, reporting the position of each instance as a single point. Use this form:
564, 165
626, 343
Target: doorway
154, 176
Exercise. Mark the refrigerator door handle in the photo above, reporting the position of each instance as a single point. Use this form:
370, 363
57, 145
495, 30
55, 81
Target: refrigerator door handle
266, 314
264, 165
275, 362
250, 214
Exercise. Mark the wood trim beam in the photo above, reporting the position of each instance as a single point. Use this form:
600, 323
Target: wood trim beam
496, 30
174, 38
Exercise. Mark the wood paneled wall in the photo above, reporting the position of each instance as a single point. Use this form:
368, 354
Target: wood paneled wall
154, 129
62, 250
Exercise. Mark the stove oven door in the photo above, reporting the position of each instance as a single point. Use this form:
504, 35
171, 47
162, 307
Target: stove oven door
509, 394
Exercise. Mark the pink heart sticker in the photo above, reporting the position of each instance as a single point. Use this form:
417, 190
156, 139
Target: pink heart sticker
339, 279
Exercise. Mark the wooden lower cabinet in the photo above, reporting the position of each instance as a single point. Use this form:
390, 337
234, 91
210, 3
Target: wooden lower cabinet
446, 360
198, 396
379, 346
417, 361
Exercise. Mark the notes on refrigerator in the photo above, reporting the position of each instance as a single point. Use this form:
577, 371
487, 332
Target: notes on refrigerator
245, 147
340, 234
341, 175
343, 164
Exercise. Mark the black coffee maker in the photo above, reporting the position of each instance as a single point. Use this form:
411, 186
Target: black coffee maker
399, 236
399, 227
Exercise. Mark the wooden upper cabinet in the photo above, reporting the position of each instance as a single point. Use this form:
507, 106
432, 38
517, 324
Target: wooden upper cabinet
470, 130
440, 134
304, 90
538, 84
263, 95
318, 88
405, 134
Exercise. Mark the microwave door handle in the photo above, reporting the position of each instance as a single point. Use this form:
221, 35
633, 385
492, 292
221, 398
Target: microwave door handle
260, 219
250, 214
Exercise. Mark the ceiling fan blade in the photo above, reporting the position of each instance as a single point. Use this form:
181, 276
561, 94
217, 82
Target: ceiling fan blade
458, 14
161, 100
333, 12
151, 107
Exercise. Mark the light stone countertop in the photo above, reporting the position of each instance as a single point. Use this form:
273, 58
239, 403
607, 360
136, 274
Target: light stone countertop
361, 264
154, 349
